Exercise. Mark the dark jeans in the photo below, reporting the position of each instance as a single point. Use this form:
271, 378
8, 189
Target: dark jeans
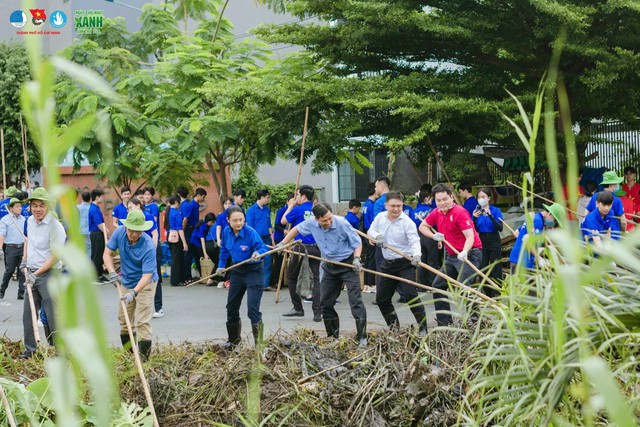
213, 251
430, 255
491, 252
400, 267
157, 299
369, 256
379, 259
97, 251
12, 259
333, 276
267, 262
177, 262
247, 278
456, 269
292, 277
41, 298
187, 259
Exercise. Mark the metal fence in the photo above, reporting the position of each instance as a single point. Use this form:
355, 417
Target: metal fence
617, 145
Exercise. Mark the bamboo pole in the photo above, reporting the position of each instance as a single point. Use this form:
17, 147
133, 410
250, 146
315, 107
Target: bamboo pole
7, 408
23, 138
202, 279
285, 259
32, 305
4, 170
438, 273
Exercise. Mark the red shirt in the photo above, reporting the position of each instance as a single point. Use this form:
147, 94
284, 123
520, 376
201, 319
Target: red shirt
629, 210
633, 192
452, 224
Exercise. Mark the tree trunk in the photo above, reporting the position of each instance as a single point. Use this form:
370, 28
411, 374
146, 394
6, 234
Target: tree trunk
186, 17
220, 181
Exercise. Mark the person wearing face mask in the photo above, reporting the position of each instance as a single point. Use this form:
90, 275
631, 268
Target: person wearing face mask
454, 225
488, 222
552, 216
611, 182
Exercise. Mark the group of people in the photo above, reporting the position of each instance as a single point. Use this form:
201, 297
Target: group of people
326, 251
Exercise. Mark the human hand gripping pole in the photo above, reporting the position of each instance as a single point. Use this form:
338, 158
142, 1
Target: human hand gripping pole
34, 316
222, 271
438, 273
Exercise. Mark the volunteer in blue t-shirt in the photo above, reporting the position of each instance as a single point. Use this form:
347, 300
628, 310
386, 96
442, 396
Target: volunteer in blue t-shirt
611, 182
599, 222
139, 276
488, 222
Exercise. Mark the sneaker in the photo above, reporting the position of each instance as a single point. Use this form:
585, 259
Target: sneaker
220, 285
308, 300
159, 313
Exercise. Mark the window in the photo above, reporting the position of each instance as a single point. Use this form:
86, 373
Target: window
352, 185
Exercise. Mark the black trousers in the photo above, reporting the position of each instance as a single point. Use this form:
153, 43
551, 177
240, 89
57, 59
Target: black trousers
41, 299
385, 290
12, 260
249, 279
275, 271
97, 250
157, 299
188, 257
430, 256
212, 250
454, 268
177, 263
491, 252
333, 276
379, 259
292, 277
369, 255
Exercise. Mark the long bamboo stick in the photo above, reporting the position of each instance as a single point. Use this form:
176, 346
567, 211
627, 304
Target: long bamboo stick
4, 170
7, 408
23, 138
202, 279
438, 273
285, 259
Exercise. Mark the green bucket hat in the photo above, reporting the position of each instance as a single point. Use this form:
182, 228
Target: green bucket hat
557, 211
611, 177
135, 221
10, 191
13, 201
39, 193
620, 192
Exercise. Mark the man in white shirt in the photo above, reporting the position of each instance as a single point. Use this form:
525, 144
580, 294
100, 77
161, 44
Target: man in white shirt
392, 227
44, 232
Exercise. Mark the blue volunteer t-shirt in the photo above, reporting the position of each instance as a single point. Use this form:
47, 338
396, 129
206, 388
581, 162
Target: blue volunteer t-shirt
136, 259
299, 214
278, 228
616, 208
420, 213
3, 206
95, 217
470, 205
199, 232
367, 214
353, 219
526, 257
484, 223
175, 219
241, 246
259, 218
120, 211
222, 221
379, 206
594, 225
153, 210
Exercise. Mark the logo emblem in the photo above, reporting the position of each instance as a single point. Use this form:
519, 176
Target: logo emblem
38, 16
58, 19
244, 248
18, 19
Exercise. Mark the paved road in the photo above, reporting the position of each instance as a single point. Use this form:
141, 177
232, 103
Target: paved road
198, 314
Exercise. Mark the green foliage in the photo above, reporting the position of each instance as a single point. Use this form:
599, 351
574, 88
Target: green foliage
14, 71
248, 180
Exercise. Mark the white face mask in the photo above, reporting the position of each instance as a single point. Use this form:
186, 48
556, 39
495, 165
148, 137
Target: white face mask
483, 202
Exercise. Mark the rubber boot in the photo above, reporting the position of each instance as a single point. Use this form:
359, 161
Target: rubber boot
126, 342
233, 329
361, 332
144, 347
333, 327
258, 331
392, 321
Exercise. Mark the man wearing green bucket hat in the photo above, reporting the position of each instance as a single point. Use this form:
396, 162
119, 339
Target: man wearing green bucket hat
44, 233
139, 277
611, 182
11, 191
12, 227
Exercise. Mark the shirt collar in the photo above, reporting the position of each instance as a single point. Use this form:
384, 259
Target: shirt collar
46, 219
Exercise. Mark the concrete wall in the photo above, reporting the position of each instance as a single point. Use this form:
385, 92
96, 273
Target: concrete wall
284, 171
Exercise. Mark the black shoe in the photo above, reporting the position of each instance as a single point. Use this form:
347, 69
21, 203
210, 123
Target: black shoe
2, 295
317, 317
294, 313
374, 302
402, 299
179, 284
20, 296
392, 321
257, 330
27, 354
332, 326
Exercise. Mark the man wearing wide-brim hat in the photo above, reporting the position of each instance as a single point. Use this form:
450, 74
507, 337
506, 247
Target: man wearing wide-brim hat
12, 227
44, 233
139, 277
611, 182
8, 194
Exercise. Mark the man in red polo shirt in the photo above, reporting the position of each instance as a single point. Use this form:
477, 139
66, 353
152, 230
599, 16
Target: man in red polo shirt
454, 225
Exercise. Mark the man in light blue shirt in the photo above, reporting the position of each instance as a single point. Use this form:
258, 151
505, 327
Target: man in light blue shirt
12, 227
337, 241
83, 210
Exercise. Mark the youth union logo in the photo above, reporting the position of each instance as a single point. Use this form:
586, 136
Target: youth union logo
58, 19
18, 19
38, 16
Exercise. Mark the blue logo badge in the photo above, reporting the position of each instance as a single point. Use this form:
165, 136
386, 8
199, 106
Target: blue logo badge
18, 19
58, 19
